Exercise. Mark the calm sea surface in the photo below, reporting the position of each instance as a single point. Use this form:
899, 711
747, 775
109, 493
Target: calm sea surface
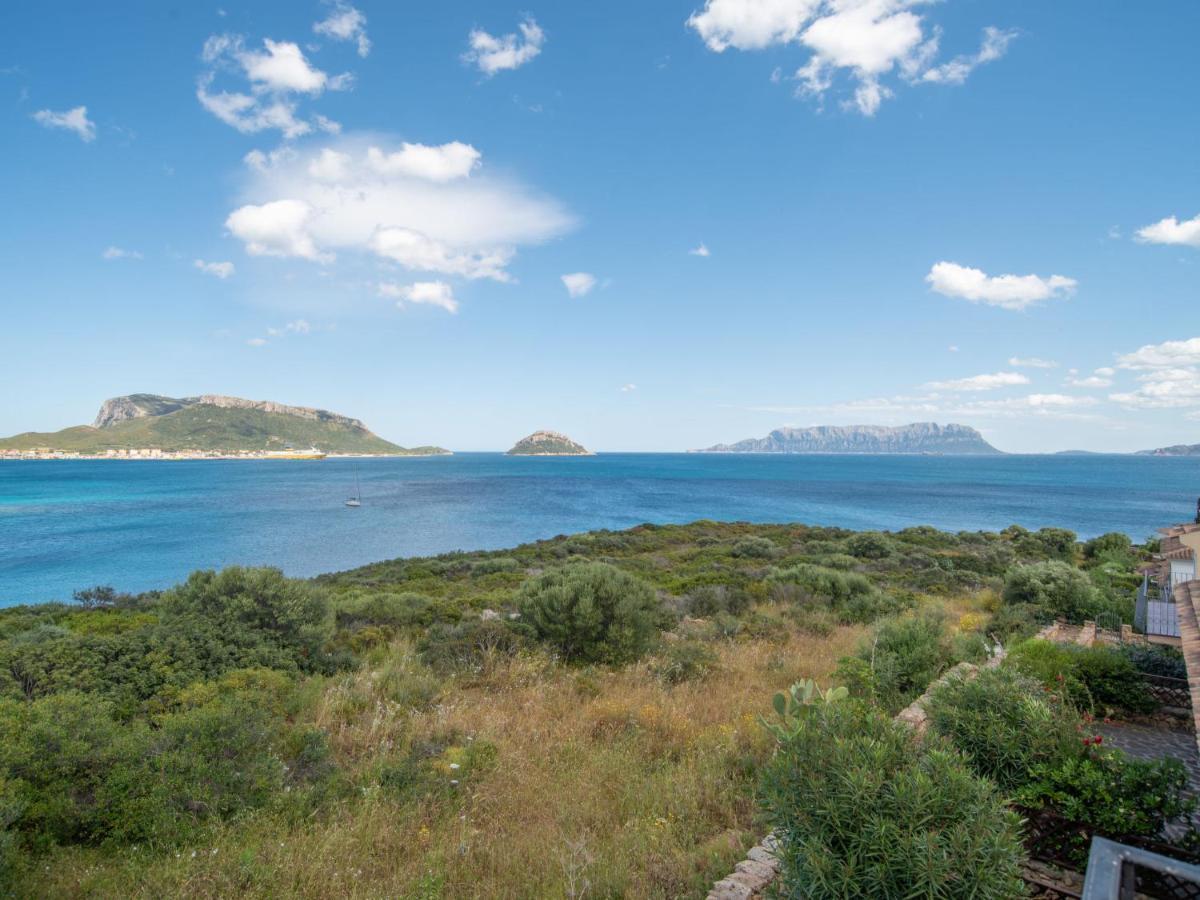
138, 525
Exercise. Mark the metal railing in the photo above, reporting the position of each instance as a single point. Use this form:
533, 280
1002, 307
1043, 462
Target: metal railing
1121, 872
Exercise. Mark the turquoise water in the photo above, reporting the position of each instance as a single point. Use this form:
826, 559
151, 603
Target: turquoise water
141, 525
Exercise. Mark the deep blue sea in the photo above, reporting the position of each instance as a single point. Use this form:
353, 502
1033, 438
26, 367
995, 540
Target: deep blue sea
145, 524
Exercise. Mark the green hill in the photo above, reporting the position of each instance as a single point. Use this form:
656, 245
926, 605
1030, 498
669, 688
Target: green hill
212, 424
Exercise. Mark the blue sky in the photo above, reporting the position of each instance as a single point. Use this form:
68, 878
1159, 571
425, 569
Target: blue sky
768, 212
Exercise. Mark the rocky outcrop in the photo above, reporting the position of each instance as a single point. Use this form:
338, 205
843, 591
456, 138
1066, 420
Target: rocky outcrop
1175, 450
548, 443
920, 437
136, 406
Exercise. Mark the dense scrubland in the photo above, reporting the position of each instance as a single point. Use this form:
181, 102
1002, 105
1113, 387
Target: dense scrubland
584, 716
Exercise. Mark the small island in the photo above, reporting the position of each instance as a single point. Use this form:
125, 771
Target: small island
548, 443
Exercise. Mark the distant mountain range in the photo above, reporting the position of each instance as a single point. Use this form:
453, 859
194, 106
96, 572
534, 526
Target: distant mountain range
212, 423
920, 437
548, 443
1176, 450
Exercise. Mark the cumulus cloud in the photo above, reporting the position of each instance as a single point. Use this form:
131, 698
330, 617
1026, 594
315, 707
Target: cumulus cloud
628, 388
220, 270
1163, 389
1015, 292
278, 228
1031, 362
1172, 231
345, 23
75, 120
432, 293
446, 162
1169, 354
111, 253
867, 40
980, 382
492, 54
275, 75
1096, 380
579, 284
257, 342
702, 250
413, 205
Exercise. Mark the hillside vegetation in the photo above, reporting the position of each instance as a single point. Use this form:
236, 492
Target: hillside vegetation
578, 716
204, 427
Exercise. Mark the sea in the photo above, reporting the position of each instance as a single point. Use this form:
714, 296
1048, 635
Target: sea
145, 524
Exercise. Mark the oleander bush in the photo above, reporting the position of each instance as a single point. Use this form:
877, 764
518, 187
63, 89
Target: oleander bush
864, 810
1005, 723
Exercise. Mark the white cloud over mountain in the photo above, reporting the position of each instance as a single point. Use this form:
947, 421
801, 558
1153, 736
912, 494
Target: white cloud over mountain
1015, 292
864, 40
980, 382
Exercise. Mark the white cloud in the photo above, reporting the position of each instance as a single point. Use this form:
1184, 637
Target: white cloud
421, 253
1057, 406
346, 23
446, 162
433, 293
399, 203
980, 382
995, 45
953, 348
495, 54
330, 165
1031, 362
1172, 231
120, 253
1168, 354
867, 40
299, 326
628, 388
274, 74
257, 342
221, 270
278, 228
579, 284
1013, 292
1089, 381
327, 125
1163, 389
702, 250
75, 120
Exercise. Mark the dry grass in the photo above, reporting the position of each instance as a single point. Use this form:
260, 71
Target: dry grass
571, 784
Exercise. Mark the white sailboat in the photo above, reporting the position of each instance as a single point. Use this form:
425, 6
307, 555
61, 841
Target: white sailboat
356, 500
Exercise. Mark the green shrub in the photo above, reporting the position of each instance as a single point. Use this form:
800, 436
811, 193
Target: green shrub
468, 645
1114, 544
1094, 678
870, 545
904, 655
754, 548
261, 602
713, 599
863, 810
380, 608
592, 612
1111, 793
852, 595
682, 661
1004, 723
1156, 660
1057, 589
